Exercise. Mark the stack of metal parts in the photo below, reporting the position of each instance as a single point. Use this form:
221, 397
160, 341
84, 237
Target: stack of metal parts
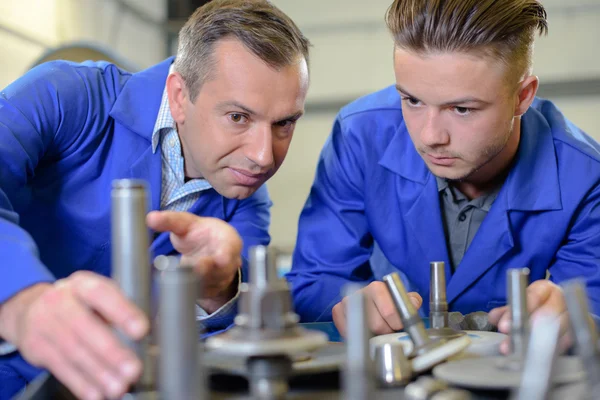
475, 373
266, 335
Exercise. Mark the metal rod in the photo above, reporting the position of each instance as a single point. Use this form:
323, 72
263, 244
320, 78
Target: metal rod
517, 281
412, 322
131, 262
584, 331
179, 366
358, 374
438, 304
263, 266
540, 362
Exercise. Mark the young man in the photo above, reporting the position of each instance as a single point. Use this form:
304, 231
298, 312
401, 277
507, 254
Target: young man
205, 131
457, 162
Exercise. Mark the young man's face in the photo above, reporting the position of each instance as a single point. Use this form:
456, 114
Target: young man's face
459, 112
237, 132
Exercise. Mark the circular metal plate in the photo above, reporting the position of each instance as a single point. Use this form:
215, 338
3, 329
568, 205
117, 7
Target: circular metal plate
501, 373
483, 343
328, 358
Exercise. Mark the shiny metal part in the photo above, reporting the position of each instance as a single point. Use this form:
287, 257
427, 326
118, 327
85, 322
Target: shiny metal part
517, 282
438, 304
584, 332
540, 362
392, 367
358, 377
131, 266
180, 375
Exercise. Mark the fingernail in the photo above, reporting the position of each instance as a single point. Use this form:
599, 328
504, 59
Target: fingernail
114, 387
129, 369
136, 327
504, 326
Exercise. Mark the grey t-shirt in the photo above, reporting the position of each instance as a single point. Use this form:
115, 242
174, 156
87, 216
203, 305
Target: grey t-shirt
462, 217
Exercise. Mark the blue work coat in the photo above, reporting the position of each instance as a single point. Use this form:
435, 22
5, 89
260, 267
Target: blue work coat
67, 131
372, 186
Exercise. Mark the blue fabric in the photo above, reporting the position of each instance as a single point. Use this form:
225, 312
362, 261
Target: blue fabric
67, 130
371, 186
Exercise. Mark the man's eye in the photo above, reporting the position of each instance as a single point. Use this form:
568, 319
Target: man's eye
237, 118
463, 110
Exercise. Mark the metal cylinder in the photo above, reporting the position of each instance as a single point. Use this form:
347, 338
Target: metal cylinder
438, 304
268, 377
358, 373
131, 266
517, 282
179, 364
392, 368
412, 322
584, 331
263, 266
539, 364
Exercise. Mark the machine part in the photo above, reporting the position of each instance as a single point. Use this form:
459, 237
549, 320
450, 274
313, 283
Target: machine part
424, 388
584, 332
131, 266
517, 282
502, 373
358, 382
268, 377
427, 353
329, 358
475, 321
179, 364
482, 343
539, 365
266, 325
392, 368
438, 304
452, 394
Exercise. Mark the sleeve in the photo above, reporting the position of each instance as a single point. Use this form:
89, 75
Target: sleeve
251, 219
38, 115
334, 243
579, 254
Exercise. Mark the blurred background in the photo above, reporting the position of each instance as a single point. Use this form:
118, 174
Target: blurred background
351, 56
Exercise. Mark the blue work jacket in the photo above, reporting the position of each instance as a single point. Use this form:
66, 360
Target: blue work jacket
67, 131
372, 187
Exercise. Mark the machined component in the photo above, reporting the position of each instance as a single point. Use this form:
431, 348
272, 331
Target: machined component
412, 322
131, 266
517, 282
268, 377
584, 332
438, 304
540, 362
424, 388
358, 372
266, 325
179, 360
392, 368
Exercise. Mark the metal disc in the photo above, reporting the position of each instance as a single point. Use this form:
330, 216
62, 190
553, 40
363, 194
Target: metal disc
329, 358
501, 373
483, 343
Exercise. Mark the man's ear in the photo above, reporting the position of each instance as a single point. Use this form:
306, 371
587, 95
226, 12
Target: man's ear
178, 96
526, 94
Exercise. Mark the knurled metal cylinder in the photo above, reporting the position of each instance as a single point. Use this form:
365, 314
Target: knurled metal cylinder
358, 378
438, 304
517, 282
179, 361
131, 266
412, 322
